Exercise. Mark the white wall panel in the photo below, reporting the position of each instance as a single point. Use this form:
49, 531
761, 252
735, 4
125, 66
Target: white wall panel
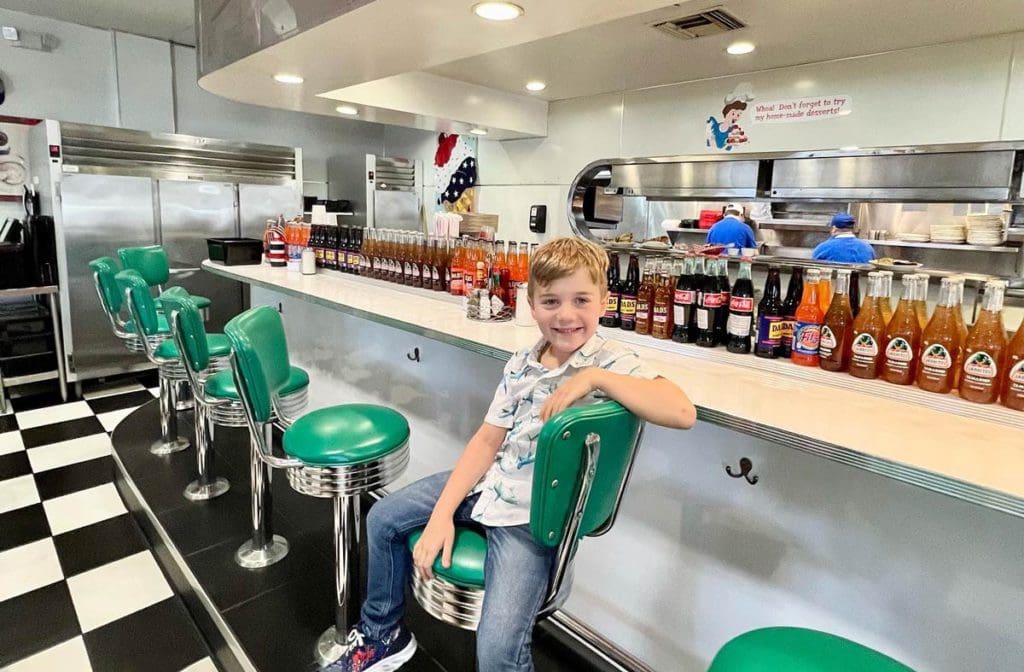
145, 83
1013, 112
512, 205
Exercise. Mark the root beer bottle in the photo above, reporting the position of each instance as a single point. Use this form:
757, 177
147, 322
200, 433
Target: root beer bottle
985, 349
627, 303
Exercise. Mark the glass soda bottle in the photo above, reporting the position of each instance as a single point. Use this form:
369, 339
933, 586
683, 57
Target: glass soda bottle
794, 295
741, 311
921, 298
855, 292
985, 349
661, 309
611, 309
941, 342
709, 305
903, 337
868, 331
825, 290
645, 301
837, 330
683, 300
807, 331
725, 292
770, 317
627, 302
1013, 384
885, 302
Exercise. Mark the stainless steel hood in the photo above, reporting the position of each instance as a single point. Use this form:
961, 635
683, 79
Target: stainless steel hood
687, 179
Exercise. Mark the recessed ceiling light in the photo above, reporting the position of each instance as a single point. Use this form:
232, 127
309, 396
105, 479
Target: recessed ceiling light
536, 86
285, 78
497, 11
738, 48
346, 109
478, 131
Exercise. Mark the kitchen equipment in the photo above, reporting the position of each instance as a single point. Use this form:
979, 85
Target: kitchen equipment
393, 188
235, 251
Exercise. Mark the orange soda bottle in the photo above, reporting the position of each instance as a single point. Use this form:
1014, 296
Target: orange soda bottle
1013, 385
985, 349
903, 337
941, 342
809, 318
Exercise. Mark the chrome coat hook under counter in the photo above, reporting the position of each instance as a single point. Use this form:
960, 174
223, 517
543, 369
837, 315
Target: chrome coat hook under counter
744, 472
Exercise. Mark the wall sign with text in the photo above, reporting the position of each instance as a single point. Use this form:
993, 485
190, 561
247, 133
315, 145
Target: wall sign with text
790, 110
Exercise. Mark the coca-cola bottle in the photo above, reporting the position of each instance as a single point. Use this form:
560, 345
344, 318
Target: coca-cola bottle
741, 311
770, 317
611, 310
683, 300
627, 303
709, 306
722, 317
794, 294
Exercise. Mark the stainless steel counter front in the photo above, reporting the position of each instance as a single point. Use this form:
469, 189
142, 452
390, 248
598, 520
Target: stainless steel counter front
938, 442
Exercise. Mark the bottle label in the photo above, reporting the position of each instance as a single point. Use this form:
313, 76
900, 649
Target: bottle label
660, 314
806, 338
643, 310
828, 340
899, 350
628, 306
684, 297
715, 300
935, 358
738, 325
865, 346
679, 313
741, 304
769, 330
435, 275
412, 269
786, 330
980, 368
1017, 378
703, 319
611, 307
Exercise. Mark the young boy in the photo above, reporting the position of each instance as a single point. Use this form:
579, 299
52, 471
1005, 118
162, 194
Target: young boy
491, 482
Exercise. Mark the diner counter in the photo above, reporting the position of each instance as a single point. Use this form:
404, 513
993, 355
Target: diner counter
937, 442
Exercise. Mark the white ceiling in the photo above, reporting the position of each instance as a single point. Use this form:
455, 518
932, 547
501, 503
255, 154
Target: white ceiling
171, 20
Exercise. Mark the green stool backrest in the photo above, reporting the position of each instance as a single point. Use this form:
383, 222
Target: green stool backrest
260, 359
560, 456
150, 261
104, 269
187, 324
142, 304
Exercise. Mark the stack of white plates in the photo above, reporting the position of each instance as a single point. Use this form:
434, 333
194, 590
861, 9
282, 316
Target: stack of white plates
913, 237
948, 232
985, 230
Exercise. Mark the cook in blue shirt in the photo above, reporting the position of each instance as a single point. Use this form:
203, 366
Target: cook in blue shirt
732, 231
844, 246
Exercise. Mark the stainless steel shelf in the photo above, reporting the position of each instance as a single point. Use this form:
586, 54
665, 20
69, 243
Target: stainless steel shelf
29, 378
27, 291
964, 247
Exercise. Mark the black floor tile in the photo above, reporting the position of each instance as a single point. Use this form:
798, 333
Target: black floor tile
32, 402
8, 423
23, 526
75, 477
13, 465
160, 638
35, 621
94, 545
200, 525
116, 402
61, 431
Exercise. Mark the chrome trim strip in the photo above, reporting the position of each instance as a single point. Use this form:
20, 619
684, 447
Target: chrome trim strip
347, 480
197, 588
449, 603
597, 643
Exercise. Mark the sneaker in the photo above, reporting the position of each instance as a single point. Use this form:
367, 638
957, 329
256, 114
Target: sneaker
375, 655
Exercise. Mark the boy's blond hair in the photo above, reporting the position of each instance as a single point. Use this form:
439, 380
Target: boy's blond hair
561, 257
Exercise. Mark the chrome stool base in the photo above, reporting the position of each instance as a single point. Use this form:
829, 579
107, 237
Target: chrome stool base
161, 447
250, 557
198, 492
455, 605
331, 646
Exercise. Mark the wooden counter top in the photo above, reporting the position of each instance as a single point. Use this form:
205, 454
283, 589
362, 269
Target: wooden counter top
938, 442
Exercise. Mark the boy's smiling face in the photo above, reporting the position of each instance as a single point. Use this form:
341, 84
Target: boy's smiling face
567, 312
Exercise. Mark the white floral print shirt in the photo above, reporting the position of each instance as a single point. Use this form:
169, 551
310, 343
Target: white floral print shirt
505, 490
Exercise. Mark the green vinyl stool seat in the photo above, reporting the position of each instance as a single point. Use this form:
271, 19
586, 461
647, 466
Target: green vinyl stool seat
340, 452
222, 384
218, 345
799, 650
582, 462
152, 264
368, 432
469, 555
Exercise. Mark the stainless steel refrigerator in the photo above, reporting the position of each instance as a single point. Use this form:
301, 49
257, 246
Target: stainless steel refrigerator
108, 188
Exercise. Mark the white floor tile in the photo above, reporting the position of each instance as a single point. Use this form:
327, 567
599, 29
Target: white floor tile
10, 442
204, 665
70, 656
109, 420
25, 568
111, 391
18, 492
83, 508
69, 452
51, 414
117, 589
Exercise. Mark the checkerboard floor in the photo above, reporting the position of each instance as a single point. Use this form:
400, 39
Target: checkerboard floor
80, 590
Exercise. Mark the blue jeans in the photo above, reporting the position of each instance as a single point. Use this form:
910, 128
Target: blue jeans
517, 574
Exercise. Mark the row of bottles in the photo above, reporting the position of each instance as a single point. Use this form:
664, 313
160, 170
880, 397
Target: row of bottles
820, 325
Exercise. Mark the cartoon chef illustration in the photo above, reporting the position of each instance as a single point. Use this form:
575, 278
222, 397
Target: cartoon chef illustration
726, 134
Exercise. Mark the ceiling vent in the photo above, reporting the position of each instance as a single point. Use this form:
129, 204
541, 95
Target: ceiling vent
711, 22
